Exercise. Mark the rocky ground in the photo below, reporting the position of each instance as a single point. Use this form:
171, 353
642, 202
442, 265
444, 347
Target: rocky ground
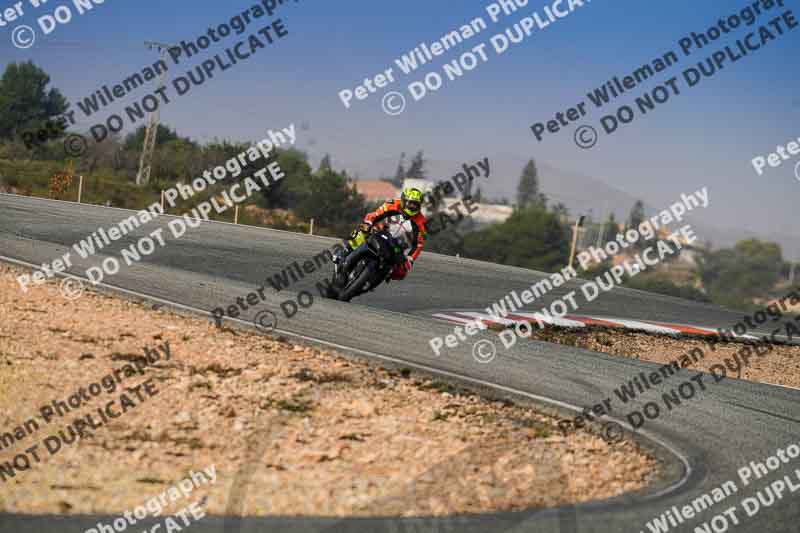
289, 429
779, 366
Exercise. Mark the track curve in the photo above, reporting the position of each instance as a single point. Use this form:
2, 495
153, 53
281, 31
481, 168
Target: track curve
704, 442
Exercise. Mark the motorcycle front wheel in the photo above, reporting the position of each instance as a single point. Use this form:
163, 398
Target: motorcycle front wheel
358, 285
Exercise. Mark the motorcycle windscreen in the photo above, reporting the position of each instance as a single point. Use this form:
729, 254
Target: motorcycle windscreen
402, 230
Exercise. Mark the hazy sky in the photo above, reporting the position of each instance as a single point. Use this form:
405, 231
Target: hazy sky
706, 136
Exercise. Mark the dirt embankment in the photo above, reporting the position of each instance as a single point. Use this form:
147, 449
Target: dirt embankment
315, 433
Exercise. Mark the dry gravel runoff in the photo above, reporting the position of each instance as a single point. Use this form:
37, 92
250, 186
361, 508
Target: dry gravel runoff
291, 430
780, 366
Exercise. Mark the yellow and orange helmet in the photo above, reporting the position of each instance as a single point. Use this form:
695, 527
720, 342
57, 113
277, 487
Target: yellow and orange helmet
411, 201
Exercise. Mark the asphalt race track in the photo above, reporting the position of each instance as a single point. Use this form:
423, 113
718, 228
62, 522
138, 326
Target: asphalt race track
704, 442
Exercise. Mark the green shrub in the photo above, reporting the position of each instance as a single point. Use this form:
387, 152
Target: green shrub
660, 284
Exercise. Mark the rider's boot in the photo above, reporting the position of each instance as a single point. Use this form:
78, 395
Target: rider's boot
343, 259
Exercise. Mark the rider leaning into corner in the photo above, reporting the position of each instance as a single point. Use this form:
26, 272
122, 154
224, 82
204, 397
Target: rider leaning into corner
403, 219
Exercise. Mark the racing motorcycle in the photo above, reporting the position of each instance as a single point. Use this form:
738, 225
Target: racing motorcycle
371, 266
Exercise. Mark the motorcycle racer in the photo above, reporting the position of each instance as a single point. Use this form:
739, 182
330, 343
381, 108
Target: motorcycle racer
403, 219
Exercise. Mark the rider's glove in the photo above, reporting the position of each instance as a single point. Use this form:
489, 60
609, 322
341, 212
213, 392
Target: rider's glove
365, 227
401, 270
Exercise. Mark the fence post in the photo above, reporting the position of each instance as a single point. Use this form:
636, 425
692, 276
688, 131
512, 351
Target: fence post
311, 228
80, 187
236, 215
162, 201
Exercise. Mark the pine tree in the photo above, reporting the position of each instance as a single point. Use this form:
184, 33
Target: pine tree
528, 194
25, 101
610, 229
400, 173
325, 164
637, 214
417, 168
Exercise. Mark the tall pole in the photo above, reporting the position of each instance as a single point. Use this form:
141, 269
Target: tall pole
143, 177
601, 230
575, 239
